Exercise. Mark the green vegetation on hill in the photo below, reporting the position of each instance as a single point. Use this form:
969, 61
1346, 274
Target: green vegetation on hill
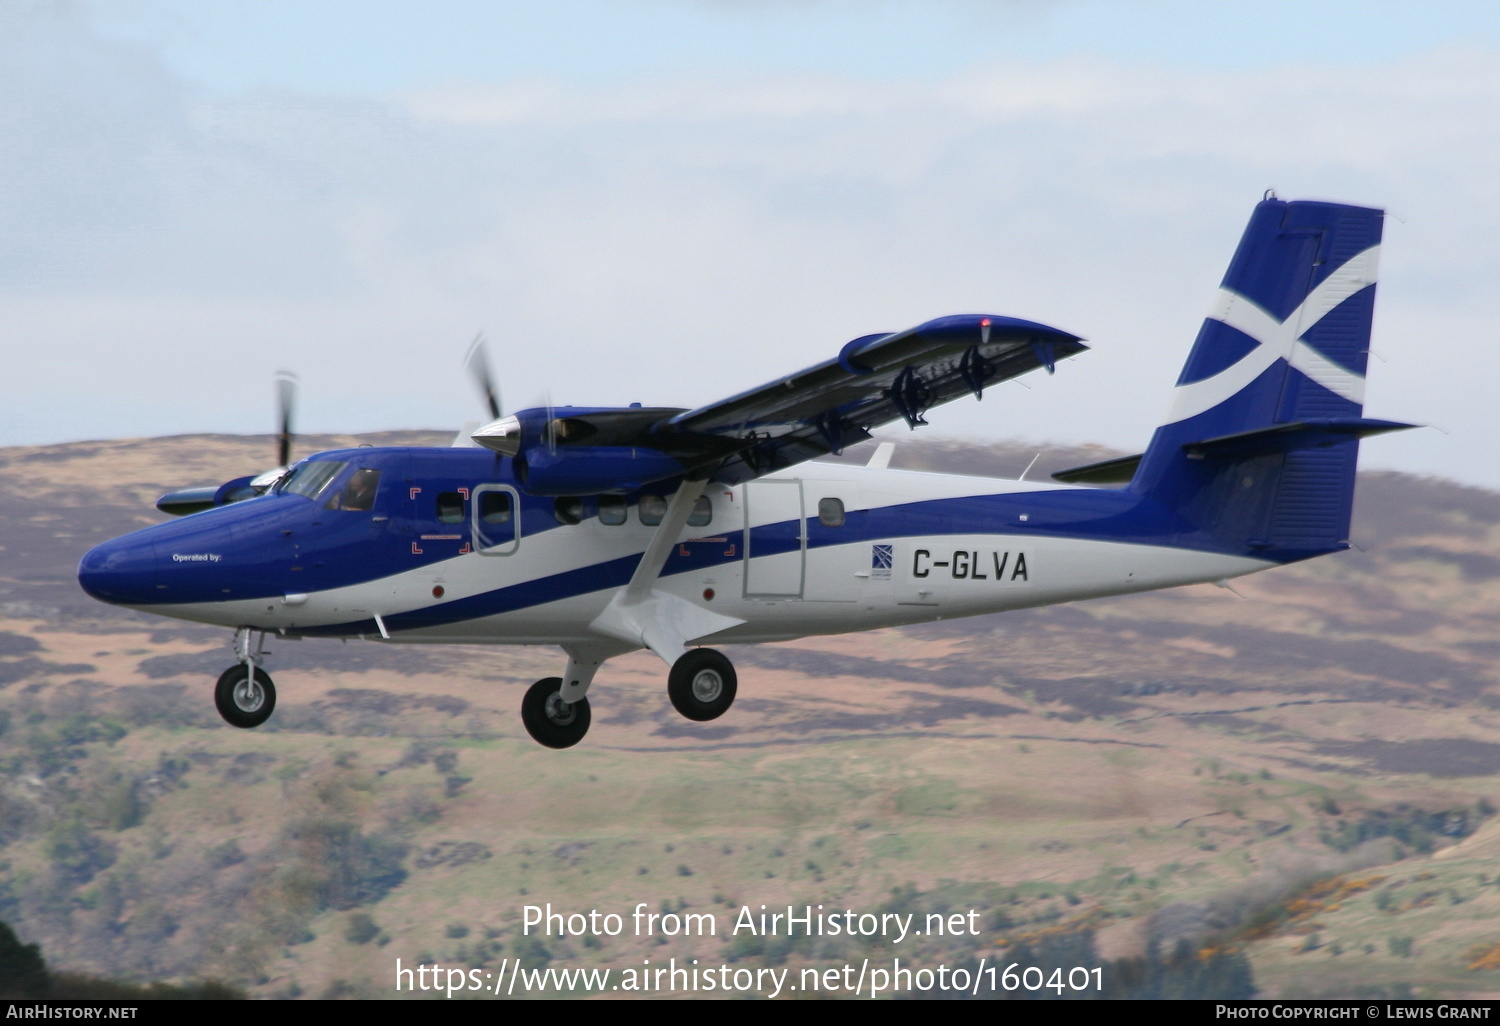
1190, 791
24, 975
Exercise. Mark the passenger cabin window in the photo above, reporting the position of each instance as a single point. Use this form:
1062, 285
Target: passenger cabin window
702, 514
831, 512
358, 493
311, 478
568, 510
494, 507
450, 508
612, 509
652, 509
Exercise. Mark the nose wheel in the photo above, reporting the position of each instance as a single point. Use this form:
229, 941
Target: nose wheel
549, 720
702, 684
243, 700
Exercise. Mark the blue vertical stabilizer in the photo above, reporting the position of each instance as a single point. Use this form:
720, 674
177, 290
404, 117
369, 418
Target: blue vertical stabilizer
1258, 451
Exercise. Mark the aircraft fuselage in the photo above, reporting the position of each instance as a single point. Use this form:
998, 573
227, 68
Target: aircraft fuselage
442, 556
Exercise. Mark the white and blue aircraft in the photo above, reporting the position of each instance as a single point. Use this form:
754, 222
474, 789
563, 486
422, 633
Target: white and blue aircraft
606, 530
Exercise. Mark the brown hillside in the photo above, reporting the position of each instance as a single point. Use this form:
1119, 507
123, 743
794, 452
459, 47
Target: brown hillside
1181, 764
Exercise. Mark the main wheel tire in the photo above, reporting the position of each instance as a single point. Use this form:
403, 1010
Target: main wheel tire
702, 684
549, 720
244, 701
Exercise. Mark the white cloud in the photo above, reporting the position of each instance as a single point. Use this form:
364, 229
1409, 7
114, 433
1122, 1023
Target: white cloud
674, 241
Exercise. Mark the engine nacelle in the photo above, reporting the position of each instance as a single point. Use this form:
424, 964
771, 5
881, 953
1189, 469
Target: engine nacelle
572, 450
592, 469
196, 500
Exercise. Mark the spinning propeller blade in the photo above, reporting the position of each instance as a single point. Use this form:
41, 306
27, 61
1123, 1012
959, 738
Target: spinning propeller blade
286, 399
478, 363
194, 500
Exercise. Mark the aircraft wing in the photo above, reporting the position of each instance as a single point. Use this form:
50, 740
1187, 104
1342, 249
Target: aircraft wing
874, 380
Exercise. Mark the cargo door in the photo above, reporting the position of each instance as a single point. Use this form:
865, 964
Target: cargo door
775, 539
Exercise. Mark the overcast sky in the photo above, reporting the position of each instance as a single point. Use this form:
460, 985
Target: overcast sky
671, 201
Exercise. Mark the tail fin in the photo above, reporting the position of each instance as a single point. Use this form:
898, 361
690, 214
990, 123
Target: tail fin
1258, 452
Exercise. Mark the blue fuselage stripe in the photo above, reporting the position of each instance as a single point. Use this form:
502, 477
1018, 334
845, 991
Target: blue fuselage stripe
288, 544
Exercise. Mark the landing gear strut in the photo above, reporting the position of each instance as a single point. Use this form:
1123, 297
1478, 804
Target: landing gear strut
244, 694
550, 720
702, 684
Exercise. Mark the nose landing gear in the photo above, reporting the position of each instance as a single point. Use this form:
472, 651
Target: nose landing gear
243, 700
244, 695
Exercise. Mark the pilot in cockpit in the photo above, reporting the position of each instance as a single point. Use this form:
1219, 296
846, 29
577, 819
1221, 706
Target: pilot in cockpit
359, 493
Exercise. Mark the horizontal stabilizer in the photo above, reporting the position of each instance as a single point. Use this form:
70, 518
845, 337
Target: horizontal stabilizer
1105, 472
1298, 434
1302, 434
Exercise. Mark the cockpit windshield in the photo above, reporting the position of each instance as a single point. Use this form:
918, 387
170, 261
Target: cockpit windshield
311, 478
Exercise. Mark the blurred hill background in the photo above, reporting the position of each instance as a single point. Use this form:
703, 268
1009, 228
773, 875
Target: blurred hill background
1297, 781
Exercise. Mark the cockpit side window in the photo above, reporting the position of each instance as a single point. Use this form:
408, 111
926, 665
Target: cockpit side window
359, 492
311, 478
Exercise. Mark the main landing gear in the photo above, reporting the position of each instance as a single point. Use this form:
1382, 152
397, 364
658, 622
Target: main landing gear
244, 694
551, 721
702, 686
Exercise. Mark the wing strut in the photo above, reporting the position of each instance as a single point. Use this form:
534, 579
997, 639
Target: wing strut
644, 615
655, 557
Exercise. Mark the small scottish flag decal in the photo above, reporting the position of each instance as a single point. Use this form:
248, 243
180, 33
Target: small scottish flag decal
881, 560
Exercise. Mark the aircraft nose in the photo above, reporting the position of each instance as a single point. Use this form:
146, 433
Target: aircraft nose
121, 572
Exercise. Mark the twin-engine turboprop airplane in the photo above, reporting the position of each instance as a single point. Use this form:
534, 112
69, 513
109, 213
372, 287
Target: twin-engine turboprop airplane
604, 530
